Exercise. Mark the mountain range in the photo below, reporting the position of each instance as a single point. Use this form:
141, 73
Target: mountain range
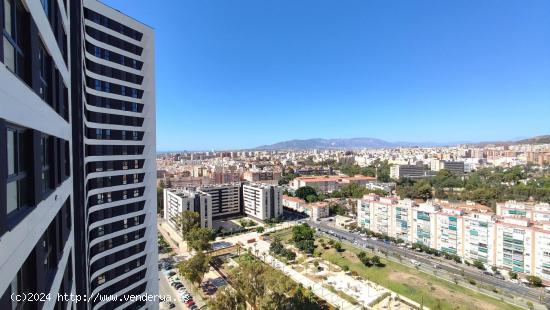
360, 143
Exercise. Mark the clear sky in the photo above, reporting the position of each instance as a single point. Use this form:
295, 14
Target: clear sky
242, 73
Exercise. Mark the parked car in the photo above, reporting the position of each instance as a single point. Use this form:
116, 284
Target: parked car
171, 305
171, 273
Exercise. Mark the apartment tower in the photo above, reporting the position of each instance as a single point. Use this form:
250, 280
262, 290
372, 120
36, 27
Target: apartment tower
77, 155
118, 113
36, 184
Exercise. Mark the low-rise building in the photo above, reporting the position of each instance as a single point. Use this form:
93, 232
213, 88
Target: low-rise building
294, 203
410, 171
344, 221
317, 210
329, 183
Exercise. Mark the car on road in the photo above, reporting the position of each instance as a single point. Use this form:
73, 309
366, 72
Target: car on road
171, 305
415, 262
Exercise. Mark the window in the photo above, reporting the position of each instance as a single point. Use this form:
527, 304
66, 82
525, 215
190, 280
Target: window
46, 144
101, 279
44, 74
15, 38
16, 289
18, 189
45, 6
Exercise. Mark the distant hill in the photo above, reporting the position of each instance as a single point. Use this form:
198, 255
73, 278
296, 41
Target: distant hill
543, 139
373, 143
352, 143
535, 140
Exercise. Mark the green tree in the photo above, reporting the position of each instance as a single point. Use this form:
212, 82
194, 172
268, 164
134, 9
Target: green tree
311, 198
160, 198
199, 239
227, 298
260, 229
194, 268
186, 221
512, 275
534, 281
376, 260
305, 191
338, 246
478, 264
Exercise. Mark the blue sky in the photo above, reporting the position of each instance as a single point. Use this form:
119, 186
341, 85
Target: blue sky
241, 73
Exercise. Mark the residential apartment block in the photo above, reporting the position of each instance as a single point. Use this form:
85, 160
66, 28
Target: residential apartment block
221, 201
226, 199
262, 201
516, 238
410, 171
177, 201
77, 155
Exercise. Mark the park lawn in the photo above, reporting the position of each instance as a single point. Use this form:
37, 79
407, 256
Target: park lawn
284, 234
433, 292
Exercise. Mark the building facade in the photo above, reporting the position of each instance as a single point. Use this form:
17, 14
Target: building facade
517, 238
77, 134
36, 184
262, 201
180, 200
226, 199
118, 112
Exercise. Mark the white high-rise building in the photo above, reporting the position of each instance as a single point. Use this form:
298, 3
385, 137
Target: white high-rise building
119, 167
262, 201
37, 250
179, 200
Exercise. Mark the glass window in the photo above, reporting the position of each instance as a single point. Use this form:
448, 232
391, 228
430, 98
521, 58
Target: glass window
9, 55
8, 18
45, 6
11, 152
12, 197
14, 37
15, 289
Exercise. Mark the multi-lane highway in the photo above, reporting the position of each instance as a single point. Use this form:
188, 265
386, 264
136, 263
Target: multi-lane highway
428, 262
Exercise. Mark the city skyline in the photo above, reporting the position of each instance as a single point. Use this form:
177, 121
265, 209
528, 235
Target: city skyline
320, 70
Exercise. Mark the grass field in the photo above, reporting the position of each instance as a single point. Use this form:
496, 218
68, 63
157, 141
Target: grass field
423, 288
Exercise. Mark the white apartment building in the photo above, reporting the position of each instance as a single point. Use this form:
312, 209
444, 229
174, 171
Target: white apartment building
479, 237
515, 245
424, 228
402, 220
177, 201
450, 229
317, 210
516, 239
262, 201
294, 203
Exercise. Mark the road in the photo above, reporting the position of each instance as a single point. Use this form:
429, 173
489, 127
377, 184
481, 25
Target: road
165, 289
428, 261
